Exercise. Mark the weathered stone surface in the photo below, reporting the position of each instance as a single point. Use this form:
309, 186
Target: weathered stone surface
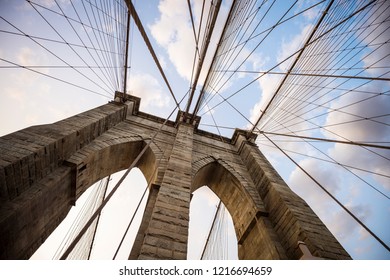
44, 169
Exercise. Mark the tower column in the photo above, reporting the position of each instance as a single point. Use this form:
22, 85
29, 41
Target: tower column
135, 250
292, 219
167, 233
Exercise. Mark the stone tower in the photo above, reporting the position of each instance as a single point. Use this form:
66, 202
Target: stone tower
45, 168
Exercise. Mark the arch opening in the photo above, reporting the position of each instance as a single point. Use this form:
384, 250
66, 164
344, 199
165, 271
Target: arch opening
97, 162
223, 182
231, 192
203, 209
112, 225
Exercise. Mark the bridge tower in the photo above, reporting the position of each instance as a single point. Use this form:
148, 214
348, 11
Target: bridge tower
45, 168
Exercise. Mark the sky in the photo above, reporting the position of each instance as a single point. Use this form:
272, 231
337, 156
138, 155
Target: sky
36, 98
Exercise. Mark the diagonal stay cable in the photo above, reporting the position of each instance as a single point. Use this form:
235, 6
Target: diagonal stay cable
329, 140
148, 186
332, 196
132, 218
347, 169
325, 160
299, 54
292, 55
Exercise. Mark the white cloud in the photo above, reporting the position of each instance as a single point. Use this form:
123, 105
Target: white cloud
45, 3
339, 222
363, 130
361, 106
345, 227
149, 89
290, 46
26, 56
330, 177
268, 83
267, 86
29, 57
310, 14
162, 61
178, 39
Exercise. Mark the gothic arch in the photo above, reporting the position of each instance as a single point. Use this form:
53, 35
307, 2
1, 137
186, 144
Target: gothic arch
202, 202
224, 183
107, 156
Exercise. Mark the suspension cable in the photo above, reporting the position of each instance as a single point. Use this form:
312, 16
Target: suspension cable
141, 29
204, 51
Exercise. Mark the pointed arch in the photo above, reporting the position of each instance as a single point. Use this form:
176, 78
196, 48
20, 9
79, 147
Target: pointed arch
201, 240
108, 155
224, 182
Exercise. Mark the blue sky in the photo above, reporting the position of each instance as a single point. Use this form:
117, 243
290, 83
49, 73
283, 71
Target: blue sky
32, 98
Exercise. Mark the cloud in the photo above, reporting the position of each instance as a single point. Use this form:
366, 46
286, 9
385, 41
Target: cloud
290, 46
353, 118
268, 83
329, 177
341, 224
26, 56
310, 14
163, 62
345, 227
267, 86
149, 89
364, 130
178, 39
45, 3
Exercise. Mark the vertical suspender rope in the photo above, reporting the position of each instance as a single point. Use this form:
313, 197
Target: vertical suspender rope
126, 52
98, 218
202, 92
211, 229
